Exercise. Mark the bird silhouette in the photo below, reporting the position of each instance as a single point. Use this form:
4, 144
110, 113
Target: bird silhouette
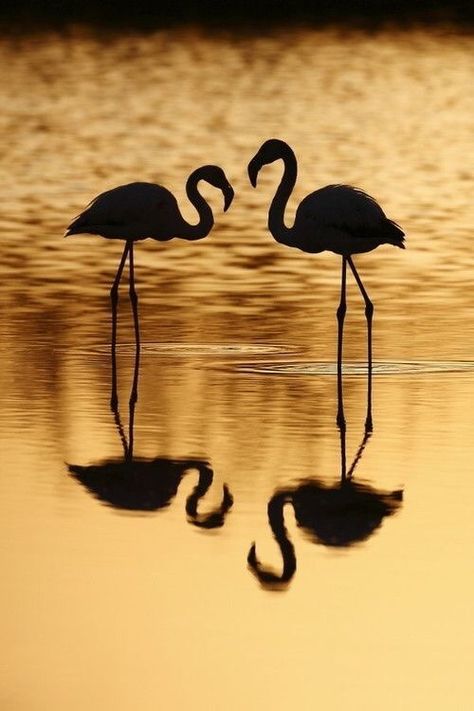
338, 218
140, 484
140, 210
336, 516
147, 485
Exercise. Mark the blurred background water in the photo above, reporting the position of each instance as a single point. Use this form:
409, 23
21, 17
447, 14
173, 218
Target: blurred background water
120, 607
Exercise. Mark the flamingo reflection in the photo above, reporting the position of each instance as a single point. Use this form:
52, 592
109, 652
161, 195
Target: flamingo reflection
138, 484
337, 516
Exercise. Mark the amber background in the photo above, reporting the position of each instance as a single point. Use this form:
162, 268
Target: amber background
105, 609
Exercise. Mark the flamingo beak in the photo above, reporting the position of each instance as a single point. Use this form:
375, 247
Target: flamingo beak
253, 169
228, 196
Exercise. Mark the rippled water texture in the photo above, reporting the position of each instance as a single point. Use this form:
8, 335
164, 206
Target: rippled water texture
125, 581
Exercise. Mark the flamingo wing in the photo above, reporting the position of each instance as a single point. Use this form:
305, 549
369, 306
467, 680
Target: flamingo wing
341, 206
136, 210
346, 218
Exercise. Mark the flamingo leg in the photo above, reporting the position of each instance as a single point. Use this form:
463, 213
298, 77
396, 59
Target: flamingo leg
341, 313
369, 312
114, 301
134, 302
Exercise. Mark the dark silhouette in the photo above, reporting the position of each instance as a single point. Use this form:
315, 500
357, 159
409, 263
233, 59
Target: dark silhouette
148, 15
338, 516
137, 211
338, 218
137, 484
150, 484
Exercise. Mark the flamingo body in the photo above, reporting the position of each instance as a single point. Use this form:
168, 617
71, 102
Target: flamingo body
337, 218
343, 220
134, 211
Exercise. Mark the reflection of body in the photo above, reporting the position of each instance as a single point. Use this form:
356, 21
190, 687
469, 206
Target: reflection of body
137, 484
150, 484
335, 516
338, 218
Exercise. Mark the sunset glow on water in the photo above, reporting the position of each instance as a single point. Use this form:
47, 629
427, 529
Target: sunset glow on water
105, 606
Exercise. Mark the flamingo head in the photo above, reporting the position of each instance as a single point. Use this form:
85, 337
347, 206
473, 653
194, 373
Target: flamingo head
215, 176
271, 150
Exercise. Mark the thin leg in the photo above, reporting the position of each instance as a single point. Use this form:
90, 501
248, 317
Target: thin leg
114, 301
134, 302
369, 312
342, 433
121, 431
359, 453
341, 312
131, 421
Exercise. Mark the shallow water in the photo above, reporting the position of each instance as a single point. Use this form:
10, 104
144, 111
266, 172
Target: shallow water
120, 595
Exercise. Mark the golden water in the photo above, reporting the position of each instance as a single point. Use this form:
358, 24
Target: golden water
106, 608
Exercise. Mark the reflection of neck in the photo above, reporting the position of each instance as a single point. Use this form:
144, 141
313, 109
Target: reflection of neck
202, 487
277, 524
215, 518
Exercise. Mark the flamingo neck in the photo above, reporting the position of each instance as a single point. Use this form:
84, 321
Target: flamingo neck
276, 214
206, 218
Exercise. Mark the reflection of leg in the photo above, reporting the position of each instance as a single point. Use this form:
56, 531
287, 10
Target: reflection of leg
136, 368
359, 453
131, 423
121, 431
133, 402
134, 302
114, 301
369, 312
342, 435
341, 312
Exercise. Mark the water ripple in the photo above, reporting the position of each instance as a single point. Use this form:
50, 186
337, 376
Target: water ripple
191, 349
359, 368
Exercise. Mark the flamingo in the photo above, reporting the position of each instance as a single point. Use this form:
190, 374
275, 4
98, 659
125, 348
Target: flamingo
139, 210
338, 218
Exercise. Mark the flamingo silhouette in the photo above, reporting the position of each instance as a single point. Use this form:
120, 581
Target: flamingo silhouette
337, 218
138, 484
139, 210
336, 516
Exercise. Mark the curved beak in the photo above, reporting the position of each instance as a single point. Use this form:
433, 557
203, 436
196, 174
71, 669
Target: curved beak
253, 169
228, 196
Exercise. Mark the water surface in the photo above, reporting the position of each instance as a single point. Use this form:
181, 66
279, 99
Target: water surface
124, 607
